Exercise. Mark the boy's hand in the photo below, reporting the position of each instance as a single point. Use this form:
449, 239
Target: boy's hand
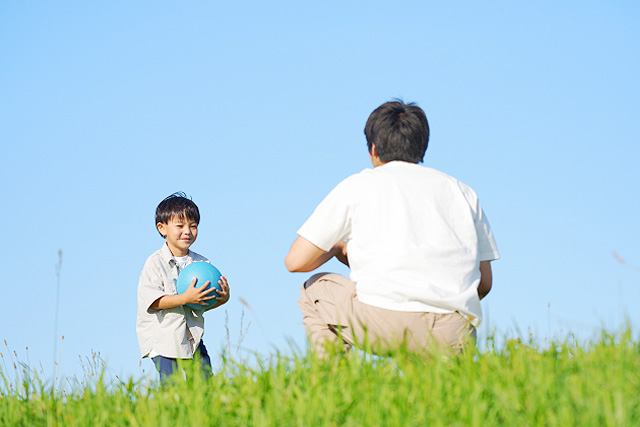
223, 295
199, 295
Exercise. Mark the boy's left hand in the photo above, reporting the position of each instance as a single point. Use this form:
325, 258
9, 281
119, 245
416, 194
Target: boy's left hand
223, 295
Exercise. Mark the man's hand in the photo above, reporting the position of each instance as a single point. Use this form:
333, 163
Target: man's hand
340, 250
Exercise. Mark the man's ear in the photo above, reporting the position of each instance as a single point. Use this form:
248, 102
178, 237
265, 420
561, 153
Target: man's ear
373, 150
162, 229
373, 156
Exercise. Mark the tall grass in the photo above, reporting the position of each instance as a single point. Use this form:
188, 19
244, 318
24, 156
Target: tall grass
520, 383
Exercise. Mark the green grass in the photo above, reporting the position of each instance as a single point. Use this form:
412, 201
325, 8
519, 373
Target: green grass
597, 383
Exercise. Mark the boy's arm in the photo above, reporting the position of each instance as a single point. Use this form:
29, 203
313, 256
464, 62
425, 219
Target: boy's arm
168, 301
192, 295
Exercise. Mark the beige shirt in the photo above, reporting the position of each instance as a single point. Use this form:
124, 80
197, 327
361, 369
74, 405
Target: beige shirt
173, 332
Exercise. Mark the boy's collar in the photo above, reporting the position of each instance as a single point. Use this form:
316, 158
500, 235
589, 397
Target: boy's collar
167, 256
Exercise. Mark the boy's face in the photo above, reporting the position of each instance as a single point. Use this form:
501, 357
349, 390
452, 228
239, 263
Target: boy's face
180, 234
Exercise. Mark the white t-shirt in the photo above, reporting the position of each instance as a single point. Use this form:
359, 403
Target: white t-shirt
415, 238
181, 261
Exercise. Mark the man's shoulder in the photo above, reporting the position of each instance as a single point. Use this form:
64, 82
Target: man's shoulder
443, 176
357, 178
455, 186
347, 184
408, 168
395, 170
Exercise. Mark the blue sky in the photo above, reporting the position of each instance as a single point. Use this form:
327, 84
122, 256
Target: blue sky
256, 110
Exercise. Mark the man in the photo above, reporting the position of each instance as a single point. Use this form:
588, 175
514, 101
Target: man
416, 240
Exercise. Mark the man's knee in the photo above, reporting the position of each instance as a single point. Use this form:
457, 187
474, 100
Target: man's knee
454, 331
314, 279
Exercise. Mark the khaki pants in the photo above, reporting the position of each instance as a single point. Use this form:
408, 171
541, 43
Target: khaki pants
331, 313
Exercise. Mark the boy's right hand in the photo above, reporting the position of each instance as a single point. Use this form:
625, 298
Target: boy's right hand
199, 295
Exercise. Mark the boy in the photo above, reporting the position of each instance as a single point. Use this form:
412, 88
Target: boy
168, 329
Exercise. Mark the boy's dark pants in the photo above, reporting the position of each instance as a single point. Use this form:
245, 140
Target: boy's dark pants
166, 366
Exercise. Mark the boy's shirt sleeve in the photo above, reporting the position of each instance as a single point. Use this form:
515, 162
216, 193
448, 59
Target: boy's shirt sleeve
150, 286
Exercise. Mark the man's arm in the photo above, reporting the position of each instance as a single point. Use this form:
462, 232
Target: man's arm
305, 256
486, 279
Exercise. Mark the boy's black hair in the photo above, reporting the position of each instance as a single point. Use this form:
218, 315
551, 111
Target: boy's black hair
400, 132
177, 205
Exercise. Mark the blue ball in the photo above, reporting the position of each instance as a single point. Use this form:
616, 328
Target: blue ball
202, 271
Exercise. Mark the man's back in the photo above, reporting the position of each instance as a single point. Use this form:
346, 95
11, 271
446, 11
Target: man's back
415, 236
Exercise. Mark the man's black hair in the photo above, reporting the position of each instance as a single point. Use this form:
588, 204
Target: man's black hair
400, 132
177, 205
